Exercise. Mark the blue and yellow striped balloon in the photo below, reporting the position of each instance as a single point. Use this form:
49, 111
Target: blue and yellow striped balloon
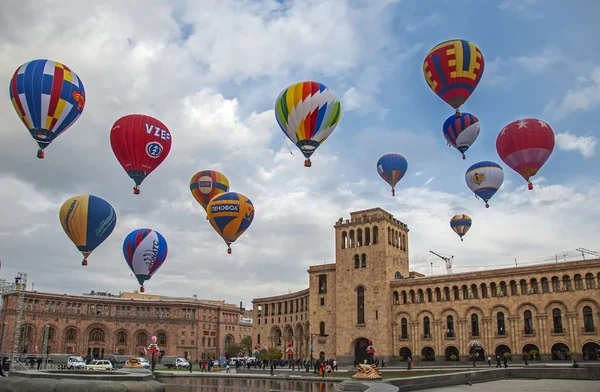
230, 214
484, 179
88, 220
461, 223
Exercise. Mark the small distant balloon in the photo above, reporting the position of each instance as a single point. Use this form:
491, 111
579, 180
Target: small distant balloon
461, 132
48, 98
525, 145
460, 224
484, 179
230, 214
392, 167
145, 251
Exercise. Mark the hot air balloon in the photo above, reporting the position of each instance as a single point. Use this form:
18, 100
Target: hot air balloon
525, 145
453, 69
484, 179
88, 220
207, 184
461, 132
392, 167
307, 113
230, 214
461, 223
140, 143
48, 97
145, 251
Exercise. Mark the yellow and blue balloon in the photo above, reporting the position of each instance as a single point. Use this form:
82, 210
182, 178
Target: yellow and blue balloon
461, 223
207, 184
230, 214
87, 220
484, 179
392, 167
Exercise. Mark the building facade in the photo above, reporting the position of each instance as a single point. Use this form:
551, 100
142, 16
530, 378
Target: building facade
550, 311
98, 324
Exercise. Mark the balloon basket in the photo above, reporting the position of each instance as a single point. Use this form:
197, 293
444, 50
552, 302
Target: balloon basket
457, 114
136, 190
40, 153
461, 240
464, 157
393, 192
487, 205
307, 163
142, 289
84, 262
529, 186
229, 251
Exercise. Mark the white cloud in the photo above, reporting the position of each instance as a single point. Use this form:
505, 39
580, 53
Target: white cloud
515, 5
585, 145
541, 61
430, 21
585, 97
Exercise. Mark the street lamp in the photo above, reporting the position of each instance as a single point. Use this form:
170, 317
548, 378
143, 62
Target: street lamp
312, 335
153, 348
473, 346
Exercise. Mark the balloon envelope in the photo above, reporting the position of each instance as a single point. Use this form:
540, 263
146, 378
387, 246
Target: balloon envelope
145, 251
207, 184
48, 97
87, 220
140, 143
307, 113
453, 69
461, 223
230, 214
484, 179
525, 145
461, 132
392, 167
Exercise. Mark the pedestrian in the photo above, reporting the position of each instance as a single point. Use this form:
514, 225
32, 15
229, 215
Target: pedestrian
227, 368
505, 359
409, 362
498, 361
489, 361
191, 362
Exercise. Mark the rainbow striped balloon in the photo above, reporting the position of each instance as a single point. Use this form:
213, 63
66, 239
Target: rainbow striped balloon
307, 113
461, 223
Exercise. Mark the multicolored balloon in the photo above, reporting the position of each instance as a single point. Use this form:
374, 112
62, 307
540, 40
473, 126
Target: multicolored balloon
140, 143
145, 251
461, 223
48, 97
484, 179
207, 184
307, 113
230, 214
525, 145
392, 167
461, 132
87, 220
453, 69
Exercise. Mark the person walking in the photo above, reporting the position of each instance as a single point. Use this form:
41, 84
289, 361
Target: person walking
489, 361
409, 362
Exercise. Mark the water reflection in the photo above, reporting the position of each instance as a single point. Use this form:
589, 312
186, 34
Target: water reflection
181, 384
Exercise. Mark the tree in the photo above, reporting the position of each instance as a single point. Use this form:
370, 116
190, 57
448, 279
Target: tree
233, 350
246, 345
269, 355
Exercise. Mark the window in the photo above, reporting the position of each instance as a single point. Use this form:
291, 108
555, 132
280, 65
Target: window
523, 287
367, 236
567, 283
578, 282
397, 275
356, 261
474, 325
162, 339
322, 301
534, 286
588, 319
450, 326
456, 294
555, 284
375, 235
344, 239
142, 339
557, 319
404, 328
396, 298
513, 288
493, 289
465, 292
97, 335
363, 260
589, 281
426, 329
322, 328
500, 324
258, 339
322, 285
404, 299
474, 291
545, 286
528, 327
71, 335
360, 302
484, 291
121, 337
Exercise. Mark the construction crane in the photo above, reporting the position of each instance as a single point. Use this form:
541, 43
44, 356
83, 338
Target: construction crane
448, 261
589, 252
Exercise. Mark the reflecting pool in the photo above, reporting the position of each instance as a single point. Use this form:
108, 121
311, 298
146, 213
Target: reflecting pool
192, 384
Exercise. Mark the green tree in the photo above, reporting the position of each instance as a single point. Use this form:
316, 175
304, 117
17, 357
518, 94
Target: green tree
233, 350
246, 344
269, 355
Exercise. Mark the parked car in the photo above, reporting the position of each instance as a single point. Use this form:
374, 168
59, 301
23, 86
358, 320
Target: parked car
99, 364
144, 362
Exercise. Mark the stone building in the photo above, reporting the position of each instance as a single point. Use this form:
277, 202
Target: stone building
97, 324
550, 311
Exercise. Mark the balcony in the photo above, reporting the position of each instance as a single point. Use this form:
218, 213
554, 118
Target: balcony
500, 334
557, 331
426, 336
474, 334
528, 333
589, 330
450, 335
403, 337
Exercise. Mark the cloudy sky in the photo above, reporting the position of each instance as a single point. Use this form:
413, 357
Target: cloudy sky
210, 70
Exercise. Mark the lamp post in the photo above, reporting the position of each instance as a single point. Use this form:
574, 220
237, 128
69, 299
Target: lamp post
312, 335
473, 346
153, 348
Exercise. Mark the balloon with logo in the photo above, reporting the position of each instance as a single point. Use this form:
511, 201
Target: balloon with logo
230, 214
525, 145
392, 167
460, 224
484, 179
87, 220
140, 143
453, 69
307, 113
461, 132
48, 98
207, 184
145, 251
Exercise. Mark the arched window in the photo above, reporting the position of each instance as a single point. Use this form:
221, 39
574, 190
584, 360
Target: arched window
555, 284
404, 299
367, 236
426, 329
465, 291
397, 275
578, 282
484, 291
351, 239
528, 327
396, 298
588, 319
375, 235
258, 339
513, 288
455, 293
557, 320
474, 292
344, 240
404, 328
474, 325
356, 261
500, 324
567, 283
545, 286
161, 338
96, 335
429, 295
121, 337
493, 289
589, 281
534, 286
322, 286
363, 260
360, 302
142, 339
228, 342
449, 326
71, 334
359, 238
524, 287
322, 328
411, 296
